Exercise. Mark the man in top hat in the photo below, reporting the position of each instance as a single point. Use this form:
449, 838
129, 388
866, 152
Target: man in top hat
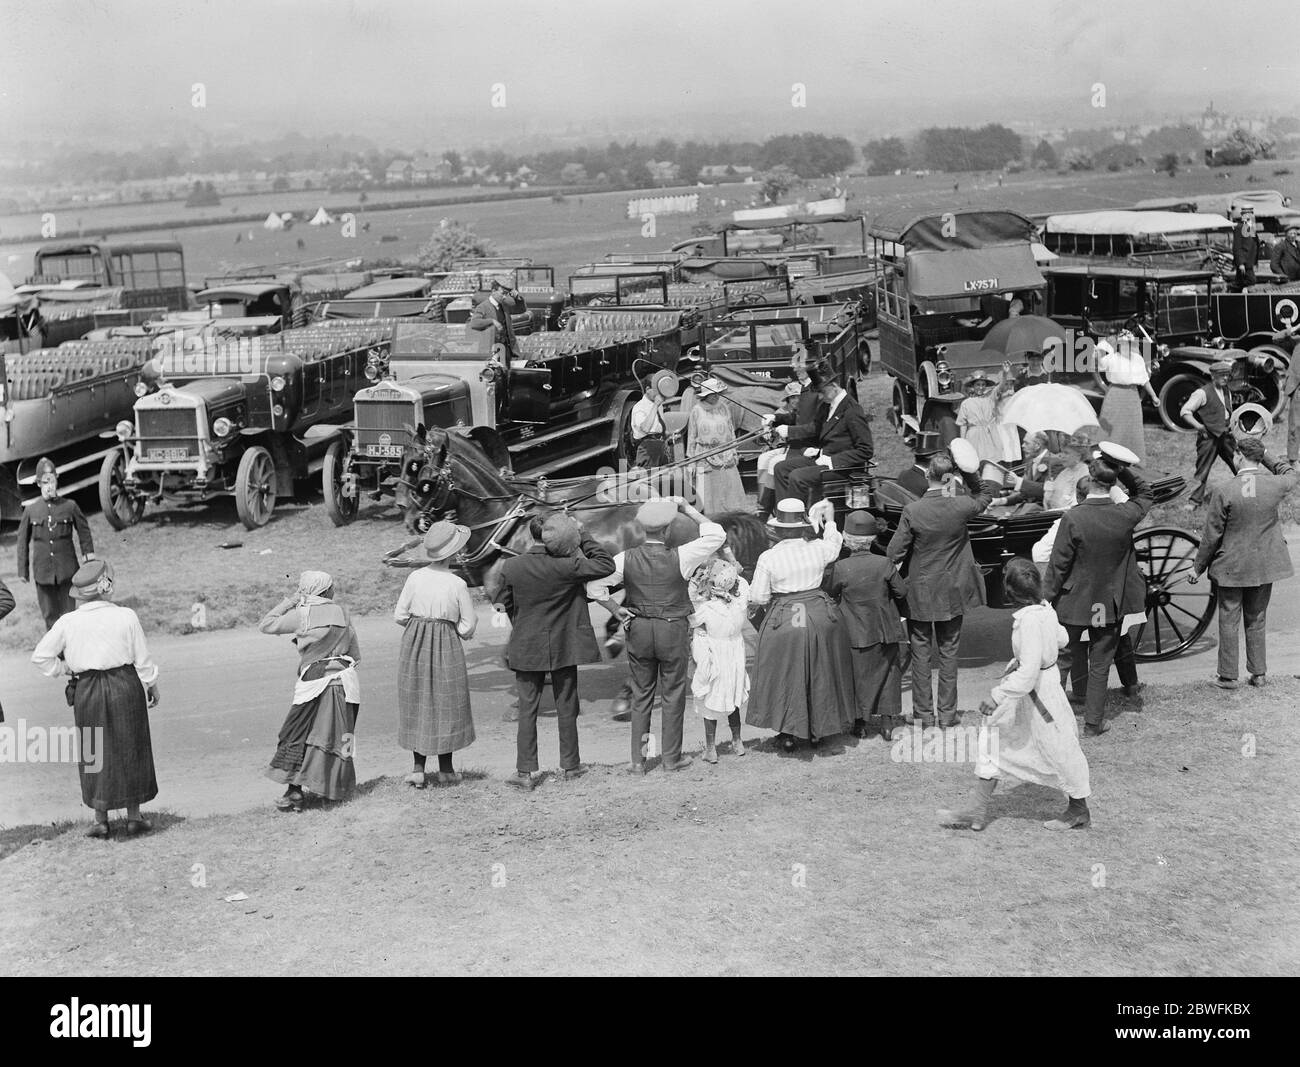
1094, 582
1245, 552
916, 478
1207, 411
869, 589
1285, 257
656, 607
932, 547
45, 548
799, 404
841, 438
542, 591
1245, 247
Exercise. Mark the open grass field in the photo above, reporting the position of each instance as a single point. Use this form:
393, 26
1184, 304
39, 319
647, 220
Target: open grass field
759, 865
584, 228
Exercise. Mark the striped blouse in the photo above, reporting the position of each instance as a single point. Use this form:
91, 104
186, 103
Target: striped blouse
795, 565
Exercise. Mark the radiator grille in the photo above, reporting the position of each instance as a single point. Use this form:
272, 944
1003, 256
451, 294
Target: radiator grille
177, 428
381, 426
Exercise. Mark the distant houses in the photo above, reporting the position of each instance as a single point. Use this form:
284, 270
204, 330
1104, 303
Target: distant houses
422, 170
719, 172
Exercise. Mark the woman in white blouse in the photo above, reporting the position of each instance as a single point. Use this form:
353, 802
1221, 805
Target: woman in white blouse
113, 685
1127, 377
437, 614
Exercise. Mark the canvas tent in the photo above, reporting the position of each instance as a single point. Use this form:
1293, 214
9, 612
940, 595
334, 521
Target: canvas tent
321, 218
273, 222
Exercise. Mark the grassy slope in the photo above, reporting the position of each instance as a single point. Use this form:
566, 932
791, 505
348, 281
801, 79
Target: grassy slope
695, 874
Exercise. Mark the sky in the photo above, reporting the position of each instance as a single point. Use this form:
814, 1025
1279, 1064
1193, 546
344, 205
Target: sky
100, 69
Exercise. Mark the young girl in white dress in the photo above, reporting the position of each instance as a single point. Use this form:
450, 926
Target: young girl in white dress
721, 684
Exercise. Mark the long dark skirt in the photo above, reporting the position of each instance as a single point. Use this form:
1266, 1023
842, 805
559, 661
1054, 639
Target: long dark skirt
1121, 419
433, 715
803, 676
316, 745
112, 703
878, 680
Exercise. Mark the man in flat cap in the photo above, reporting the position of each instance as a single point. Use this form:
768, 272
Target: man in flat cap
657, 607
1285, 257
1207, 411
45, 548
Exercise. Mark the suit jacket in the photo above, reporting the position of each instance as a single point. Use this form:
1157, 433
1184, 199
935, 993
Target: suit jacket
805, 415
914, 481
845, 436
45, 539
932, 542
1093, 577
1285, 259
868, 588
497, 317
1242, 545
545, 598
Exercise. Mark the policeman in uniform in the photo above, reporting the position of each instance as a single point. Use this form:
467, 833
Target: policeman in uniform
45, 536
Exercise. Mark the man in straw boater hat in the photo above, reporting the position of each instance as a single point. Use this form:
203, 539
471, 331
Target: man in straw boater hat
1207, 411
45, 540
113, 685
542, 592
657, 609
932, 548
1243, 549
803, 674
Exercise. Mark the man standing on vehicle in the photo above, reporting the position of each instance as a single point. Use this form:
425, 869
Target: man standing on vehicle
494, 314
1245, 247
1207, 411
1285, 258
1243, 549
45, 538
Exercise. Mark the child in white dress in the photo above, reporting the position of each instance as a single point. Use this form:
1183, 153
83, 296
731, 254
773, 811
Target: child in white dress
721, 684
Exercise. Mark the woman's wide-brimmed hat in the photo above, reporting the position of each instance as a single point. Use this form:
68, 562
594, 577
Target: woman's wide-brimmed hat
91, 579
444, 540
789, 515
712, 387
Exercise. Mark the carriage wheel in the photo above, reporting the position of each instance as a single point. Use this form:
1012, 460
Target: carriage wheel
255, 487
340, 508
118, 504
1178, 613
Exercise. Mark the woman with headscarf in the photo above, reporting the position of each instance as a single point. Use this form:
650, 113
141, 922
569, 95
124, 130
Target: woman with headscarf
113, 685
1127, 378
437, 614
709, 430
314, 754
803, 674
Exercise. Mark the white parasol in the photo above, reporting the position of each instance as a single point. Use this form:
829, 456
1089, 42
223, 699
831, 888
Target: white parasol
1039, 408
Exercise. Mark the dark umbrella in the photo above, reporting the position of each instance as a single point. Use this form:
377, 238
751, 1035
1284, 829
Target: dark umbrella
1024, 333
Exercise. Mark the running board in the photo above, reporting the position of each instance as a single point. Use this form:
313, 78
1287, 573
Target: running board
567, 461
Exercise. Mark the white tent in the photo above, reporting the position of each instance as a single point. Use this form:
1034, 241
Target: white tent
321, 218
273, 222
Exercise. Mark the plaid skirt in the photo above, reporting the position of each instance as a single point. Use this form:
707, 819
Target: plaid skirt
316, 744
112, 703
803, 674
433, 715
1121, 419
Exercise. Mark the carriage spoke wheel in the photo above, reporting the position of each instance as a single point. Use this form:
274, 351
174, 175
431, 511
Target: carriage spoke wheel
255, 487
119, 506
1178, 612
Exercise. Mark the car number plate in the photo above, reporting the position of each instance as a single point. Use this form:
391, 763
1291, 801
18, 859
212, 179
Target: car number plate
162, 455
384, 451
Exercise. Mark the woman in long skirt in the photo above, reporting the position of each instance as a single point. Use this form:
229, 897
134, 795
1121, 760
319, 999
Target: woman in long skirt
803, 673
316, 742
112, 688
1029, 733
1127, 379
437, 614
717, 477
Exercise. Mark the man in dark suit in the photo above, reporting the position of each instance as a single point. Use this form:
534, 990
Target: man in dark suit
916, 479
841, 438
932, 547
657, 608
495, 313
1285, 257
543, 594
1243, 549
1245, 247
800, 400
45, 548
1094, 582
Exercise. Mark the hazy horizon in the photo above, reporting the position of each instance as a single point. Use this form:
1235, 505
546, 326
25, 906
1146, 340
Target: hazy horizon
415, 73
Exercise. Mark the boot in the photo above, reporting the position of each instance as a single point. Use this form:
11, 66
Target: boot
975, 815
766, 502
888, 724
710, 749
737, 745
859, 728
1076, 817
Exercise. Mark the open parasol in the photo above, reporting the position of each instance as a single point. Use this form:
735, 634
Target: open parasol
1024, 333
1039, 408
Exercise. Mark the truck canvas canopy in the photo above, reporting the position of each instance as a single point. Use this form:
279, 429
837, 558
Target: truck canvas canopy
1136, 223
972, 272
953, 230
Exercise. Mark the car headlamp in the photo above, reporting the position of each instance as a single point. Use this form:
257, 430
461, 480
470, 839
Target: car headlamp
222, 427
124, 430
277, 384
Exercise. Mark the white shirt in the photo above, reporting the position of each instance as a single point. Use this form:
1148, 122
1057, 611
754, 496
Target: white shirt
645, 419
689, 556
794, 565
434, 593
98, 636
1198, 399
1120, 369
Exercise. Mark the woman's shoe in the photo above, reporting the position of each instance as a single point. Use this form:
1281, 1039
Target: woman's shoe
138, 826
98, 830
416, 779
786, 742
737, 746
710, 754
859, 728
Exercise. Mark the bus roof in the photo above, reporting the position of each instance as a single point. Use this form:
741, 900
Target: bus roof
952, 230
1134, 223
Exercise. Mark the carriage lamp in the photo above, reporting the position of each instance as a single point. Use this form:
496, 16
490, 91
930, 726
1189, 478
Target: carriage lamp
124, 430
222, 427
943, 373
857, 497
277, 384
